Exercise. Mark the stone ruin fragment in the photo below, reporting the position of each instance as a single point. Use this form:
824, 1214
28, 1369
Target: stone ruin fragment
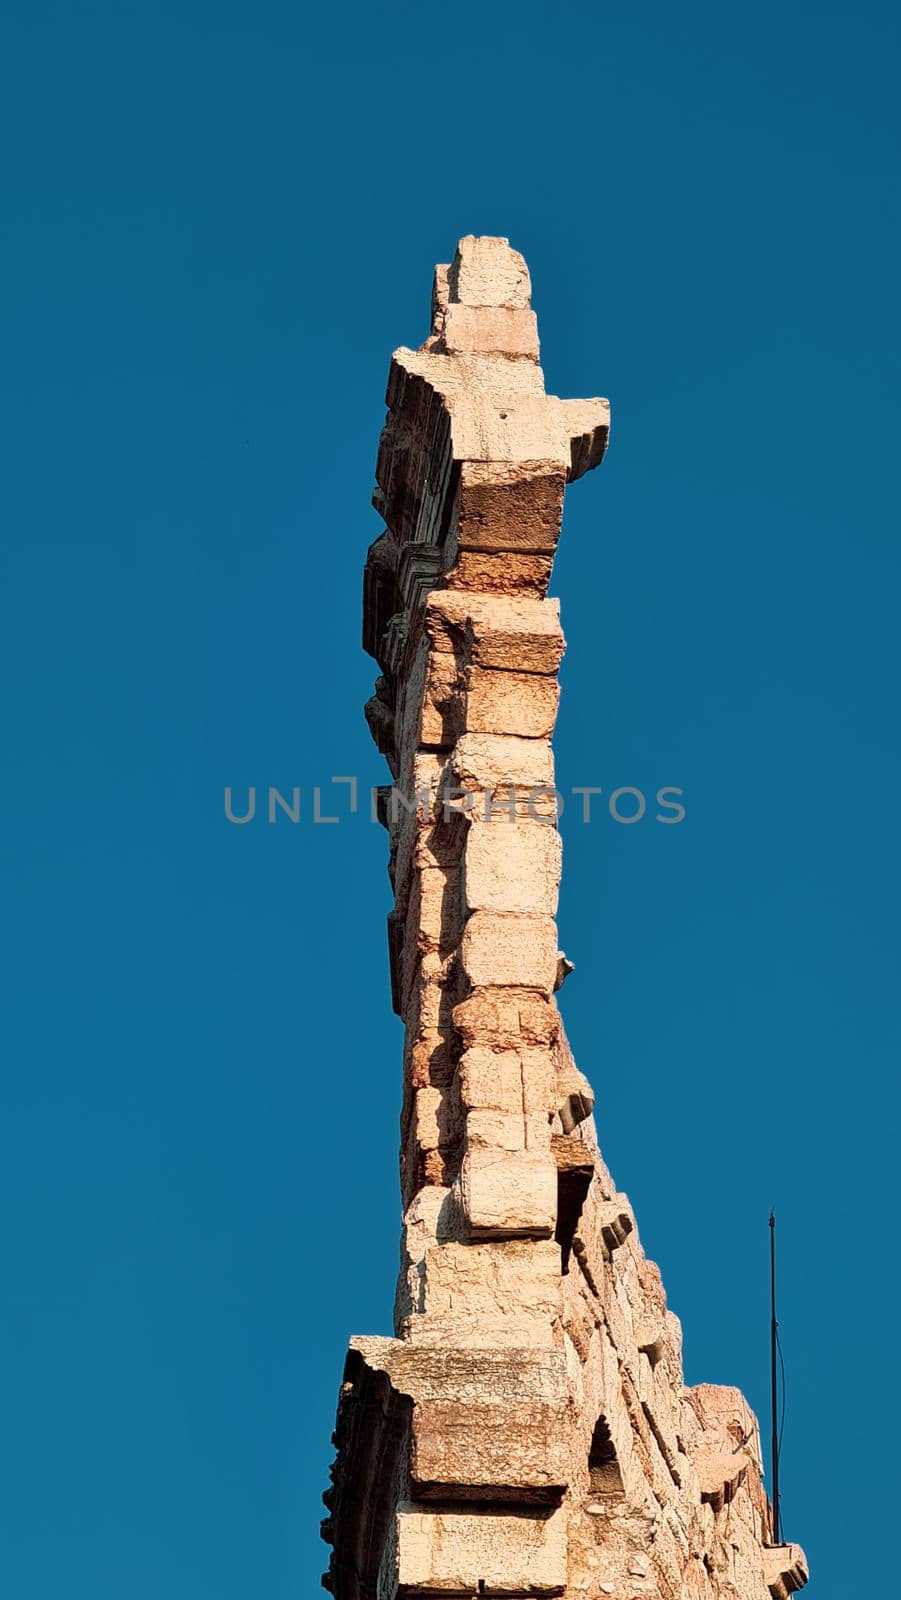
527, 1431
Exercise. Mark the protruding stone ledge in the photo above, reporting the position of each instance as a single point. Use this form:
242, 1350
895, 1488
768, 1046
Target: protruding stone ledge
371, 1436
485, 1425
486, 271
720, 1475
496, 1018
575, 1096
784, 1569
604, 1227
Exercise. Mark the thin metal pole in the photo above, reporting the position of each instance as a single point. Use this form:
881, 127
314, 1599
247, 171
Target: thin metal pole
774, 1336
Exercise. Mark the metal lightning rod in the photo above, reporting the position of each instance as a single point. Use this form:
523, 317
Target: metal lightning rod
774, 1341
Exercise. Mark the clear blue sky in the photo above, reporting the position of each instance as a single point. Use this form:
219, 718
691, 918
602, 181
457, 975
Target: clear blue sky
218, 221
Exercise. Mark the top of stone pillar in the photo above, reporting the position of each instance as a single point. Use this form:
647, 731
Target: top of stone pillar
481, 302
474, 455
487, 272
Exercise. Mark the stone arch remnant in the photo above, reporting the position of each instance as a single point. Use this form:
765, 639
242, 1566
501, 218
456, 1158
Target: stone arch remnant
526, 1432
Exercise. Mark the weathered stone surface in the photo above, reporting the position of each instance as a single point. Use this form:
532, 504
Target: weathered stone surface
520, 703
487, 1552
505, 572
486, 272
506, 1019
784, 1570
492, 763
498, 1295
512, 866
507, 1193
501, 948
528, 1432
491, 1080
511, 508
514, 635
491, 330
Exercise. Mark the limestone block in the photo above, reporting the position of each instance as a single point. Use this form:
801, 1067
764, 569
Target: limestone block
495, 1130
603, 1399
440, 291
538, 1082
420, 835
506, 773
494, 417
672, 1356
499, 631
784, 1570
669, 1555
574, 1094
725, 1418
529, 1433
506, 1019
491, 330
720, 1476
491, 1424
530, 427
429, 1058
468, 1331
511, 804
431, 1136
586, 423
622, 1307
520, 703
432, 924
497, 1450
428, 701
491, 1080
538, 1131
487, 1425
509, 1194
512, 866
435, 909
492, 1283
444, 619
426, 388
471, 1375
500, 572
464, 1552
507, 948
511, 507
429, 1005
381, 721
603, 1227
487, 272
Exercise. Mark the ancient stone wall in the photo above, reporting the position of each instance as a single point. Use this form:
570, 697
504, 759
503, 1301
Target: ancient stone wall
527, 1431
